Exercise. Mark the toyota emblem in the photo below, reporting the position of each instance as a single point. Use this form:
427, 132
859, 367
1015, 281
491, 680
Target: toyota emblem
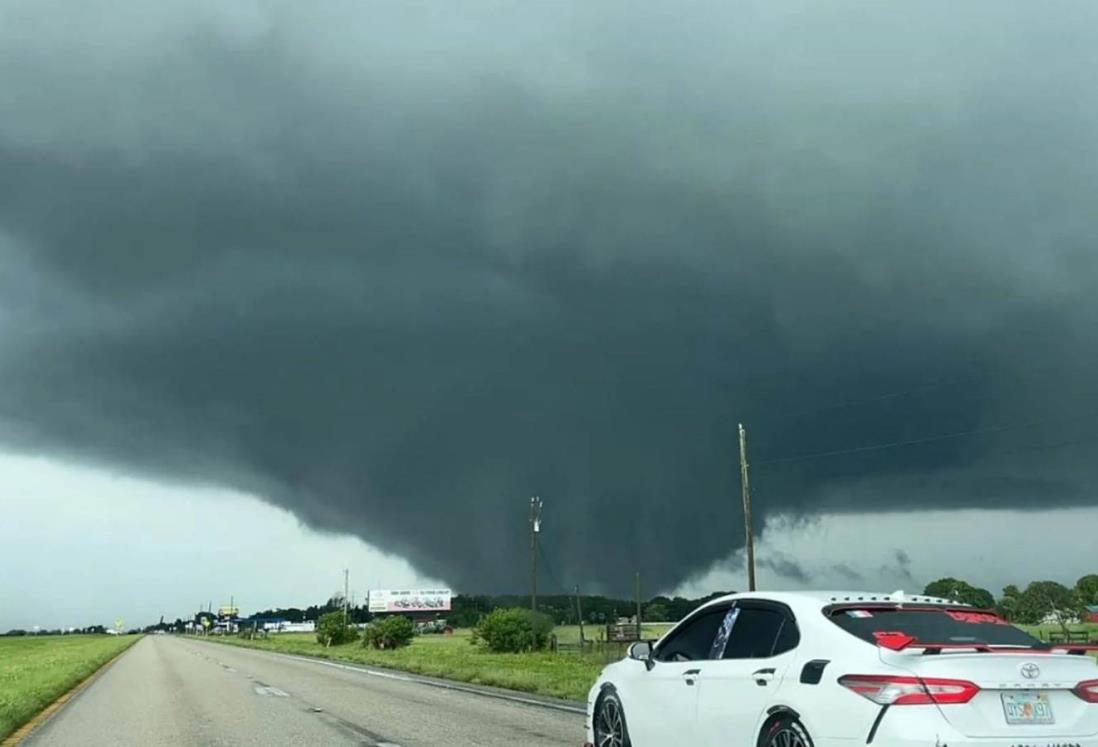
1030, 670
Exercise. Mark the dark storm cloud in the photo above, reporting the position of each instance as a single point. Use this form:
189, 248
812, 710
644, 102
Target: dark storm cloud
398, 266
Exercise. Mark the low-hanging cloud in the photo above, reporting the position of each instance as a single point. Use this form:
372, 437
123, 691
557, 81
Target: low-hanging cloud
397, 267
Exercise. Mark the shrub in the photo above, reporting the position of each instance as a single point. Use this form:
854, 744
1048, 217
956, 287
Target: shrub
514, 630
389, 632
332, 630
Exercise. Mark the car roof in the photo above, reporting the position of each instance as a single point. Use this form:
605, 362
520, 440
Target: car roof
821, 599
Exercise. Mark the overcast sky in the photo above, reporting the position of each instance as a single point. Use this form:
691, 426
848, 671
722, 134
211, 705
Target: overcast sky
358, 279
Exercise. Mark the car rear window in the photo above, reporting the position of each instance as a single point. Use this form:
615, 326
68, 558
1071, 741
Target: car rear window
932, 626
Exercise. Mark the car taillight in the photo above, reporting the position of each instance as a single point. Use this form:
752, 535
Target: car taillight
1088, 691
899, 691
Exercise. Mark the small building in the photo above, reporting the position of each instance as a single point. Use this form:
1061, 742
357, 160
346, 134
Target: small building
307, 626
1092, 613
1057, 618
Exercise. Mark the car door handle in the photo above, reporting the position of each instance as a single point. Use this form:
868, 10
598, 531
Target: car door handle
762, 676
690, 676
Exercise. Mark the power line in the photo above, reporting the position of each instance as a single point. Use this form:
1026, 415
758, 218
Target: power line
920, 441
549, 570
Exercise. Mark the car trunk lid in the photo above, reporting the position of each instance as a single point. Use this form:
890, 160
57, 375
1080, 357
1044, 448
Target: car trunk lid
1023, 693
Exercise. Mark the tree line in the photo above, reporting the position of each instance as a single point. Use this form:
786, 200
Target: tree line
467, 609
1040, 602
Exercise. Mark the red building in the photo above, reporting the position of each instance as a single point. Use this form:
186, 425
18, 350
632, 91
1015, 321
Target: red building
1092, 614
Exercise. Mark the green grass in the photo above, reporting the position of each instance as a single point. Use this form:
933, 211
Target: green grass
1043, 631
560, 675
36, 670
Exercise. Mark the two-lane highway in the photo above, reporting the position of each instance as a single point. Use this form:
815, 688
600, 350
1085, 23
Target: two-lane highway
181, 691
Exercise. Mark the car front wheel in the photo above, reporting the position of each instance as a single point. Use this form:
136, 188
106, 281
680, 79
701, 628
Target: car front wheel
610, 728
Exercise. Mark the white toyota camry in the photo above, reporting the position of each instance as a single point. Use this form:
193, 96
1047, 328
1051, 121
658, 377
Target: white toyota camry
825, 669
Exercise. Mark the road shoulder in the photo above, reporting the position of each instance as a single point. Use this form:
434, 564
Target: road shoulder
43, 717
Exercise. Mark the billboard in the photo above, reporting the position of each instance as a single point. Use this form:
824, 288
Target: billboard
409, 600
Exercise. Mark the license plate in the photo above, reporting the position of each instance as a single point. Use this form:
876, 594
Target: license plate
1027, 708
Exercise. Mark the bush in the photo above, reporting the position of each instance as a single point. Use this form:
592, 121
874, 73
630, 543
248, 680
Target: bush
389, 632
514, 630
332, 630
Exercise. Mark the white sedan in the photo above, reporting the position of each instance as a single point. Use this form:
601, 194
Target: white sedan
824, 669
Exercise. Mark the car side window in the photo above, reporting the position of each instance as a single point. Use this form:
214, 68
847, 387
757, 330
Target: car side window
692, 642
761, 633
789, 637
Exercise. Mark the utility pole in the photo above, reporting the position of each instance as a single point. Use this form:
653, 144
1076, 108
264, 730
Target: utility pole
638, 605
579, 614
346, 576
535, 530
749, 534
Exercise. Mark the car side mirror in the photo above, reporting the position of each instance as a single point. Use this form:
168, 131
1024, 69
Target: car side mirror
642, 651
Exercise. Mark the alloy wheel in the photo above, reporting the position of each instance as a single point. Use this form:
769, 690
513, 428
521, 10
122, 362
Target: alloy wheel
787, 738
610, 725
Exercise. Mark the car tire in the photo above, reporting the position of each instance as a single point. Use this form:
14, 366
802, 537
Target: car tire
785, 731
609, 722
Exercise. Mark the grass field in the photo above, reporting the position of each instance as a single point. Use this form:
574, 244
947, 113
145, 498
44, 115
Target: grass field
1043, 631
36, 670
453, 657
567, 674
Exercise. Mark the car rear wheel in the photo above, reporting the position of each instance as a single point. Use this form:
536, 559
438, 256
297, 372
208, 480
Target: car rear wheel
610, 728
785, 732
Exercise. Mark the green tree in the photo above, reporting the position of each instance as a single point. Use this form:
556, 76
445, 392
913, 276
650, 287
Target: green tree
960, 591
1007, 607
1086, 590
395, 631
514, 630
1048, 600
332, 630
656, 612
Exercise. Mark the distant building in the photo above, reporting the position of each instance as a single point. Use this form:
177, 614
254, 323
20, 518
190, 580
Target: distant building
1092, 613
1055, 618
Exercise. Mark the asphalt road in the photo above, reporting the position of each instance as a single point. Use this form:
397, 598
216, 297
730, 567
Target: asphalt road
179, 691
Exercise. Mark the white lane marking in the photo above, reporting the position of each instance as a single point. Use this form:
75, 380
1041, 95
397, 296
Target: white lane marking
267, 690
387, 744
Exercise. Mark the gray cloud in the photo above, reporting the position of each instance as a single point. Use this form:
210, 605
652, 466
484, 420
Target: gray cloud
900, 571
848, 573
785, 566
397, 269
